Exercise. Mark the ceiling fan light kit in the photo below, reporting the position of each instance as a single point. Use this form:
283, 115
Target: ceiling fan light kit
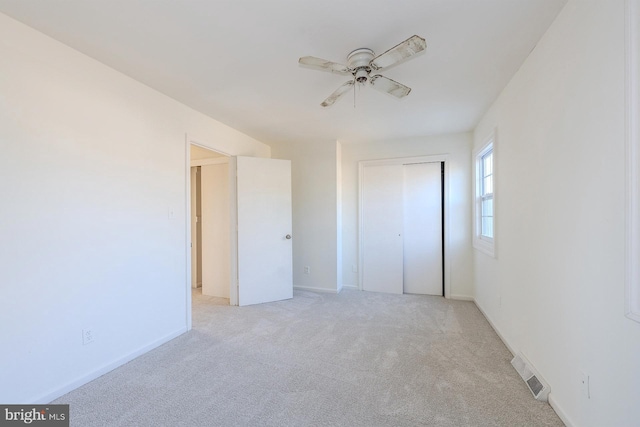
358, 61
360, 64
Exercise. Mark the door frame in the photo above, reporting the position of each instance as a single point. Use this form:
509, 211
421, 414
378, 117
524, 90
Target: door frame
188, 141
438, 158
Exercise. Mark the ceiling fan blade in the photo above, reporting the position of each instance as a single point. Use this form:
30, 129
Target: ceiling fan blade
338, 93
323, 65
392, 87
398, 53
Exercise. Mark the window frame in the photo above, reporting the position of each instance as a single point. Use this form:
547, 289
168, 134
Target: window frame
482, 242
632, 143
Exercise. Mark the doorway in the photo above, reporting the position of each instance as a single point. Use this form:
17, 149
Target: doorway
210, 222
257, 202
404, 226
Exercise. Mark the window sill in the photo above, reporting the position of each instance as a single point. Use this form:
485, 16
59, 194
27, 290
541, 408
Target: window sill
488, 248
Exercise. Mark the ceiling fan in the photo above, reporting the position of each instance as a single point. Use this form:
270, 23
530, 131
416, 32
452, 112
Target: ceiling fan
361, 62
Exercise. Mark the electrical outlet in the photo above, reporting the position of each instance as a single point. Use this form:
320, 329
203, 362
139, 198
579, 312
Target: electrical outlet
354, 268
171, 213
585, 386
307, 270
87, 336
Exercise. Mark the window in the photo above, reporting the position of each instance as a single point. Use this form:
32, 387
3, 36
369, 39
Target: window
486, 195
484, 228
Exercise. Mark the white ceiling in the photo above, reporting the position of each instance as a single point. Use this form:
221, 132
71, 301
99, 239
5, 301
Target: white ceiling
236, 60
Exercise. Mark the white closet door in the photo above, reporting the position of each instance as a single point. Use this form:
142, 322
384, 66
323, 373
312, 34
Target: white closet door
382, 228
422, 229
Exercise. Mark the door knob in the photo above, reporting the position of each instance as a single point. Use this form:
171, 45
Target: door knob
288, 236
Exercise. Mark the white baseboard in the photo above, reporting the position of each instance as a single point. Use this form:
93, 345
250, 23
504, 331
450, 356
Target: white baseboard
47, 398
558, 410
351, 287
495, 328
312, 289
552, 402
461, 298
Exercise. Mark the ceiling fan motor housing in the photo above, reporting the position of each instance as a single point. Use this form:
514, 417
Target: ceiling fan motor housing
359, 61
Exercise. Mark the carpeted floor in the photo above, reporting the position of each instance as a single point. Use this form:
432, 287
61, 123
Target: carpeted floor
352, 359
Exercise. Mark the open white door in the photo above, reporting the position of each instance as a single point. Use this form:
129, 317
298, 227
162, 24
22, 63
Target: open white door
263, 239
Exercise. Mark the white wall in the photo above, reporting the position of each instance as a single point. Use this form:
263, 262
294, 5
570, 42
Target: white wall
556, 289
92, 162
314, 194
215, 223
458, 149
195, 238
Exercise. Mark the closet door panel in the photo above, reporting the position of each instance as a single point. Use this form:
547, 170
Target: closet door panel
422, 218
382, 219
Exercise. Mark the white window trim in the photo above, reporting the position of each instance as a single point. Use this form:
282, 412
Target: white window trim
482, 243
632, 83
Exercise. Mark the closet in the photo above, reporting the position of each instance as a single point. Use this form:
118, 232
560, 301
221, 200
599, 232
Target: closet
402, 226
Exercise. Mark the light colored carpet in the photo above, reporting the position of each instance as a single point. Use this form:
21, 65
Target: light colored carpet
352, 359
